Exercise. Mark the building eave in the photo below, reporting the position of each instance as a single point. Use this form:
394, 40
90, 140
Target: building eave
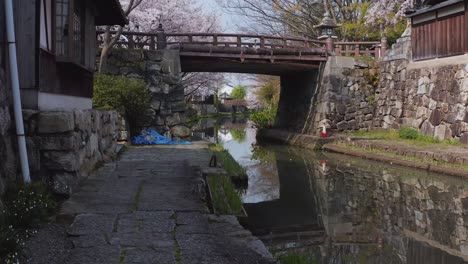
434, 7
110, 13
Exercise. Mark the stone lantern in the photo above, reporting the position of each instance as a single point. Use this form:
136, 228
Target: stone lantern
326, 30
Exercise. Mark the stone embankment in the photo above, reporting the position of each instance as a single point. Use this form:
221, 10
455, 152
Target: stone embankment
148, 207
8, 153
161, 72
430, 96
65, 146
346, 97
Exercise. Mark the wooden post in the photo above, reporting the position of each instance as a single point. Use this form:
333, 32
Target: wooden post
239, 41
330, 48
356, 50
131, 42
262, 42
383, 49
161, 35
152, 43
215, 40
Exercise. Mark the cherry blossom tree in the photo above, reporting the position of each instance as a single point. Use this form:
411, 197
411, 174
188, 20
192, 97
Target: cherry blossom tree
389, 12
176, 16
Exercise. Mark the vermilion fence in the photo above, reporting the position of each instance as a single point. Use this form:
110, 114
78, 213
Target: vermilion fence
153, 41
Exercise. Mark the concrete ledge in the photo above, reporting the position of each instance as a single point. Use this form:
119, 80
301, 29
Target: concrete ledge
396, 160
293, 139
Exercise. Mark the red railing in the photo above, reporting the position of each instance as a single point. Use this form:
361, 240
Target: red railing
161, 40
358, 49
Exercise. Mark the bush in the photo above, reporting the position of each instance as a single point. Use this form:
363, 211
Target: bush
128, 96
408, 133
264, 118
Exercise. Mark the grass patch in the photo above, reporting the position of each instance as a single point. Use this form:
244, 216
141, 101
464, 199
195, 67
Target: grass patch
406, 158
229, 163
122, 256
296, 259
224, 197
407, 135
137, 197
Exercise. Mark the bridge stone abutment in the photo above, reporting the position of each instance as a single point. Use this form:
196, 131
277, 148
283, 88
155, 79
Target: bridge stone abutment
161, 71
297, 92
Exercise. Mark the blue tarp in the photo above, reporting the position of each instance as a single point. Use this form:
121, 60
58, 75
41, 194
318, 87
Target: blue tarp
151, 137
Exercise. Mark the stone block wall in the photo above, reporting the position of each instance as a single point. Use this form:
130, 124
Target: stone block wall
431, 96
65, 146
409, 204
161, 71
346, 98
8, 147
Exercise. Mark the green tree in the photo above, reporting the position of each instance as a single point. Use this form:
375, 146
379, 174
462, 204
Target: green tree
269, 93
128, 96
239, 92
238, 135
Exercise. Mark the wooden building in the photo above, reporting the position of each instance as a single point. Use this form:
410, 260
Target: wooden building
440, 29
56, 45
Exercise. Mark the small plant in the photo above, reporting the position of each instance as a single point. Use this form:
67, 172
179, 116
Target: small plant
25, 207
408, 133
28, 205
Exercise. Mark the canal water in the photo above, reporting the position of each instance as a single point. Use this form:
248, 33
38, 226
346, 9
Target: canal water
332, 208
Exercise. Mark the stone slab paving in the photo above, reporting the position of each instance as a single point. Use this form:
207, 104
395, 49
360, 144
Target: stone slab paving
147, 208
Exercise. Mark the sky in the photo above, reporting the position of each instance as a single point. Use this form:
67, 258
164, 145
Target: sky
228, 21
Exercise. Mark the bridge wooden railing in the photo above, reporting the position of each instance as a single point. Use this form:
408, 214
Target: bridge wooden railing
161, 40
360, 49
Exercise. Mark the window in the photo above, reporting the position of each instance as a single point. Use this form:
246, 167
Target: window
69, 29
46, 25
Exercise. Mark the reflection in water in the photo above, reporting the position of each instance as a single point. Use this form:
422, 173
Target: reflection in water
341, 209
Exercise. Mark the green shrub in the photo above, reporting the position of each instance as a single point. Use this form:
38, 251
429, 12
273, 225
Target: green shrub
264, 118
408, 133
238, 135
128, 96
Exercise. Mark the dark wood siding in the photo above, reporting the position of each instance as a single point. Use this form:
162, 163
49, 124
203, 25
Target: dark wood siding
64, 78
441, 37
3, 43
26, 41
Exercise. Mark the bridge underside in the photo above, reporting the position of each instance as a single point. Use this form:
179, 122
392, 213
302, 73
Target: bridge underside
267, 66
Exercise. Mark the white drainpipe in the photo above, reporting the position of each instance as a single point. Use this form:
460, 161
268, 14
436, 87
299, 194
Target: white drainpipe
16, 91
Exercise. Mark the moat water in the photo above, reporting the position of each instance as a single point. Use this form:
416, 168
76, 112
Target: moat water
332, 208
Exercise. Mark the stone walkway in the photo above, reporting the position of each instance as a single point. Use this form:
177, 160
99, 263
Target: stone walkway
146, 208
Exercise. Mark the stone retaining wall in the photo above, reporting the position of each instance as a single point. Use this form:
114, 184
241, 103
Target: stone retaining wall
346, 97
431, 95
8, 146
425, 95
406, 200
64, 147
160, 69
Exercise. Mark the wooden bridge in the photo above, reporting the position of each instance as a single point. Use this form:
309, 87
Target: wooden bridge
245, 53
